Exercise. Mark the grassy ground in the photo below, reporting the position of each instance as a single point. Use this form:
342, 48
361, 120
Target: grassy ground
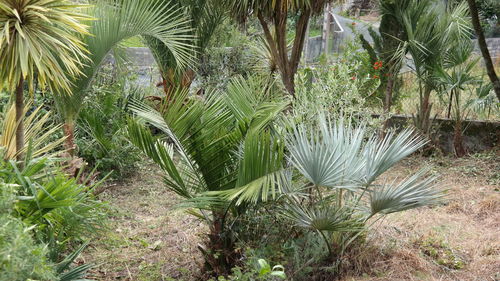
151, 240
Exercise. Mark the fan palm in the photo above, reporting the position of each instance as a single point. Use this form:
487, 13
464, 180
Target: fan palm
39, 42
205, 16
343, 168
432, 30
117, 21
225, 142
341, 164
453, 78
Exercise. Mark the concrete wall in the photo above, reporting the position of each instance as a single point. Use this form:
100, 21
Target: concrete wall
493, 47
142, 58
478, 135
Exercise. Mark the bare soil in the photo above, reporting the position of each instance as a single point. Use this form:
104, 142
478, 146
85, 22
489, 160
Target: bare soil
460, 240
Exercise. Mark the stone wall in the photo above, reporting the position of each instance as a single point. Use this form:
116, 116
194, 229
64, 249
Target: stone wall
478, 136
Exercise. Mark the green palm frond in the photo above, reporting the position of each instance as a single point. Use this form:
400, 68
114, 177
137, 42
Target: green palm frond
120, 20
39, 41
161, 153
204, 17
225, 146
261, 176
413, 192
323, 217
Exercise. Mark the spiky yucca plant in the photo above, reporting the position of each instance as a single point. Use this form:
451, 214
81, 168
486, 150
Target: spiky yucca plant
36, 131
39, 42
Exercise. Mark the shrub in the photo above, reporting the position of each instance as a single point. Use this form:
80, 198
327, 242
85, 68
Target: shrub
20, 257
59, 210
101, 132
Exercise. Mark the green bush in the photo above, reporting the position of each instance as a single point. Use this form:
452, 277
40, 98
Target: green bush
100, 138
343, 88
20, 257
60, 211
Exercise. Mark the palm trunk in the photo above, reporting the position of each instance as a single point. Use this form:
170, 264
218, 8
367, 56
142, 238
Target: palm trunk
423, 121
387, 104
220, 255
458, 142
69, 142
449, 105
484, 47
19, 119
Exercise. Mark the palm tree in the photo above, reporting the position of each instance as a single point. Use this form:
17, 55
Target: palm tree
224, 142
453, 77
39, 42
385, 45
204, 17
116, 22
277, 12
432, 30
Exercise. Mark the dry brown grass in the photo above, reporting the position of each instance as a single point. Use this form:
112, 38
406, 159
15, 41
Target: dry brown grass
149, 239
466, 227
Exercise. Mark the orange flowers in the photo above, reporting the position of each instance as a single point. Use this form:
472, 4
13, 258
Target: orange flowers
378, 65
376, 77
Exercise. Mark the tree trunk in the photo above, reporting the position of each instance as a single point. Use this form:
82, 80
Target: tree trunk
423, 122
326, 29
69, 142
19, 119
484, 47
220, 254
289, 83
449, 105
306, 43
287, 65
458, 142
387, 104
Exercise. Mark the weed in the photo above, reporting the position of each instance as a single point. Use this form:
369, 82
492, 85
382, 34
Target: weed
440, 252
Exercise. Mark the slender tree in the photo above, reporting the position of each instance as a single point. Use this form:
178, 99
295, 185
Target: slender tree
490, 69
38, 41
276, 13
